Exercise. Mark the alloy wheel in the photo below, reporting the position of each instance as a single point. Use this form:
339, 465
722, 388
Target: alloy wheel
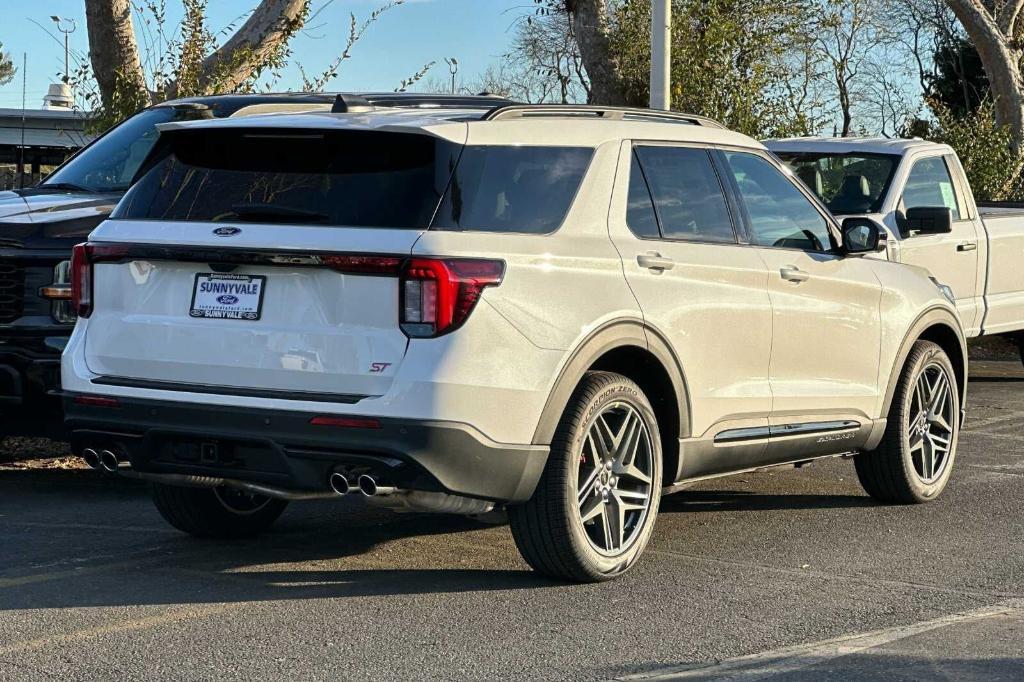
614, 481
930, 424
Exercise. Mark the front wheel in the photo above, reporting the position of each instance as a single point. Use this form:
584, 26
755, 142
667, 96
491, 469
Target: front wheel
594, 508
914, 461
216, 512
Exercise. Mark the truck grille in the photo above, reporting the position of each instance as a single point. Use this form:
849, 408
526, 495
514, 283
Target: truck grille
12, 292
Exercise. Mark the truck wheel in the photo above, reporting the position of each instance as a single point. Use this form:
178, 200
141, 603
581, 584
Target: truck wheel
595, 505
915, 458
216, 512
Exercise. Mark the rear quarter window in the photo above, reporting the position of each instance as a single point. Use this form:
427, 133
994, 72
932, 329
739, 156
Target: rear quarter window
513, 189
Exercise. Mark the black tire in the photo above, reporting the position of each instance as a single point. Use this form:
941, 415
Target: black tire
215, 513
549, 529
891, 473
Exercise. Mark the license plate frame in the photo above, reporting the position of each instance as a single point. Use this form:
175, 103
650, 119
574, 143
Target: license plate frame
241, 308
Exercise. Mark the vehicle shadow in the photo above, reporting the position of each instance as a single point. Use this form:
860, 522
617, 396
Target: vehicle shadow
319, 550
863, 666
689, 501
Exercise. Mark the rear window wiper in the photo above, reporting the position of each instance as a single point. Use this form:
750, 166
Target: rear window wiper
273, 212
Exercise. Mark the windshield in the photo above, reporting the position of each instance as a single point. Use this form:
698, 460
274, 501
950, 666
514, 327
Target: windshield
110, 163
848, 184
354, 178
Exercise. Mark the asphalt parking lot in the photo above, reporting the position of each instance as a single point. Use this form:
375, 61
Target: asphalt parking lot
792, 575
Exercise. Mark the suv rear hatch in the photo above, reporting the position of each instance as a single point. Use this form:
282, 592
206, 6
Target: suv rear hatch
263, 261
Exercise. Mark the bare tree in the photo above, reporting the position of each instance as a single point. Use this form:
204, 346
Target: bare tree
847, 35
994, 28
114, 50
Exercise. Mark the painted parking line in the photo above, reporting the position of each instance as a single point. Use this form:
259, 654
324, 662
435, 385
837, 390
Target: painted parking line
48, 576
170, 617
791, 659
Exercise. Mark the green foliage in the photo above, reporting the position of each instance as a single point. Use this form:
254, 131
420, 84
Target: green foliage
985, 150
7, 69
958, 80
729, 59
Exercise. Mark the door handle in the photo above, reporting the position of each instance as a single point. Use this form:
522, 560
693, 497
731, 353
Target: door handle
967, 246
655, 261
791, 273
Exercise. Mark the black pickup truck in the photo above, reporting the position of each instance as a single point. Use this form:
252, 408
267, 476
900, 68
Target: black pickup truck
40, 225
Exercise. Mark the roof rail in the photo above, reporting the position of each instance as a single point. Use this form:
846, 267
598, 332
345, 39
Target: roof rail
610, 113
437, 101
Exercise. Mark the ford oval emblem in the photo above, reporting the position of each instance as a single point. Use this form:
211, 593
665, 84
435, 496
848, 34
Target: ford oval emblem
227, 231
227, 299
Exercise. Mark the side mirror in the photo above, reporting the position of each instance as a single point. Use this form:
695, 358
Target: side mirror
861, 235
928, 220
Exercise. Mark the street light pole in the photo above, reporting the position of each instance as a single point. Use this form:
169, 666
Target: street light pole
61, 22
661, 54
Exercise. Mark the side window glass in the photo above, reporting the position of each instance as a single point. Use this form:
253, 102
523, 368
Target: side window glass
780, 215
640, 216
687, 193
929, 184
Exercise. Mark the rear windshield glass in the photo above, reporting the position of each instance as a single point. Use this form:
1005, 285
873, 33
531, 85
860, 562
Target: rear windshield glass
361, 178
354, 178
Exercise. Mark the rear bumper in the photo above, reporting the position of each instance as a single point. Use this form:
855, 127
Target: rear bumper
282, 448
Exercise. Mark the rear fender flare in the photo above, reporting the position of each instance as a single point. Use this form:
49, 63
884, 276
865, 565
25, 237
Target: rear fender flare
608, 337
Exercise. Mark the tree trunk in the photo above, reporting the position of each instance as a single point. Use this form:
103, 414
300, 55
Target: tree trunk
113, 51
993, 38
260, 38
590, 25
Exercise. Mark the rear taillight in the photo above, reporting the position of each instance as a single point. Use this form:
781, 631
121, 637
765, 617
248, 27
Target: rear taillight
437, 295
83, 256
81, 281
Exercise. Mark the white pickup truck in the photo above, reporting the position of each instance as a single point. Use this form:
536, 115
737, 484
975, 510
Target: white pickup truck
918, 191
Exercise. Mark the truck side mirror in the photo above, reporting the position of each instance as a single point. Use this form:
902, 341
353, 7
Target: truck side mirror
862, 235
927, 220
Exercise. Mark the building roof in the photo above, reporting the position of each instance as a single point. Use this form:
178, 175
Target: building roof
43, 128
850, 145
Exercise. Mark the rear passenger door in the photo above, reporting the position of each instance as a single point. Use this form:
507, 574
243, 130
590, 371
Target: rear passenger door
705, 293
826, 330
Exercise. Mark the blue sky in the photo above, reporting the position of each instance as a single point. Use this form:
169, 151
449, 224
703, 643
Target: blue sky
476, 32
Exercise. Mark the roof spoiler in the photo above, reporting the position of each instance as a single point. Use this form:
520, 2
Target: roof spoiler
351, 104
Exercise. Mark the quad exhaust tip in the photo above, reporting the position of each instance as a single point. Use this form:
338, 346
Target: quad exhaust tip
109, 461
340, 485
91, 457
369, 486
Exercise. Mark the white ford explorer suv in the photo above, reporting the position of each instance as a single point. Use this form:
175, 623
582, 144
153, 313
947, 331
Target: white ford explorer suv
565, 311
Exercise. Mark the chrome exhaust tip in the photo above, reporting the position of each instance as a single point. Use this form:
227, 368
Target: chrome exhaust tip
109, 462
91, 457
368, 486
340, 485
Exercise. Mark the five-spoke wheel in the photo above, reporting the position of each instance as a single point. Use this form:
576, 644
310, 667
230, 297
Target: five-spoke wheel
915, 458
594, 508
614, 490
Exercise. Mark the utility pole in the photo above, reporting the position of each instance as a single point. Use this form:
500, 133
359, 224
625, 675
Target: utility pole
453, 68
661, 54
61, 26
24, 103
